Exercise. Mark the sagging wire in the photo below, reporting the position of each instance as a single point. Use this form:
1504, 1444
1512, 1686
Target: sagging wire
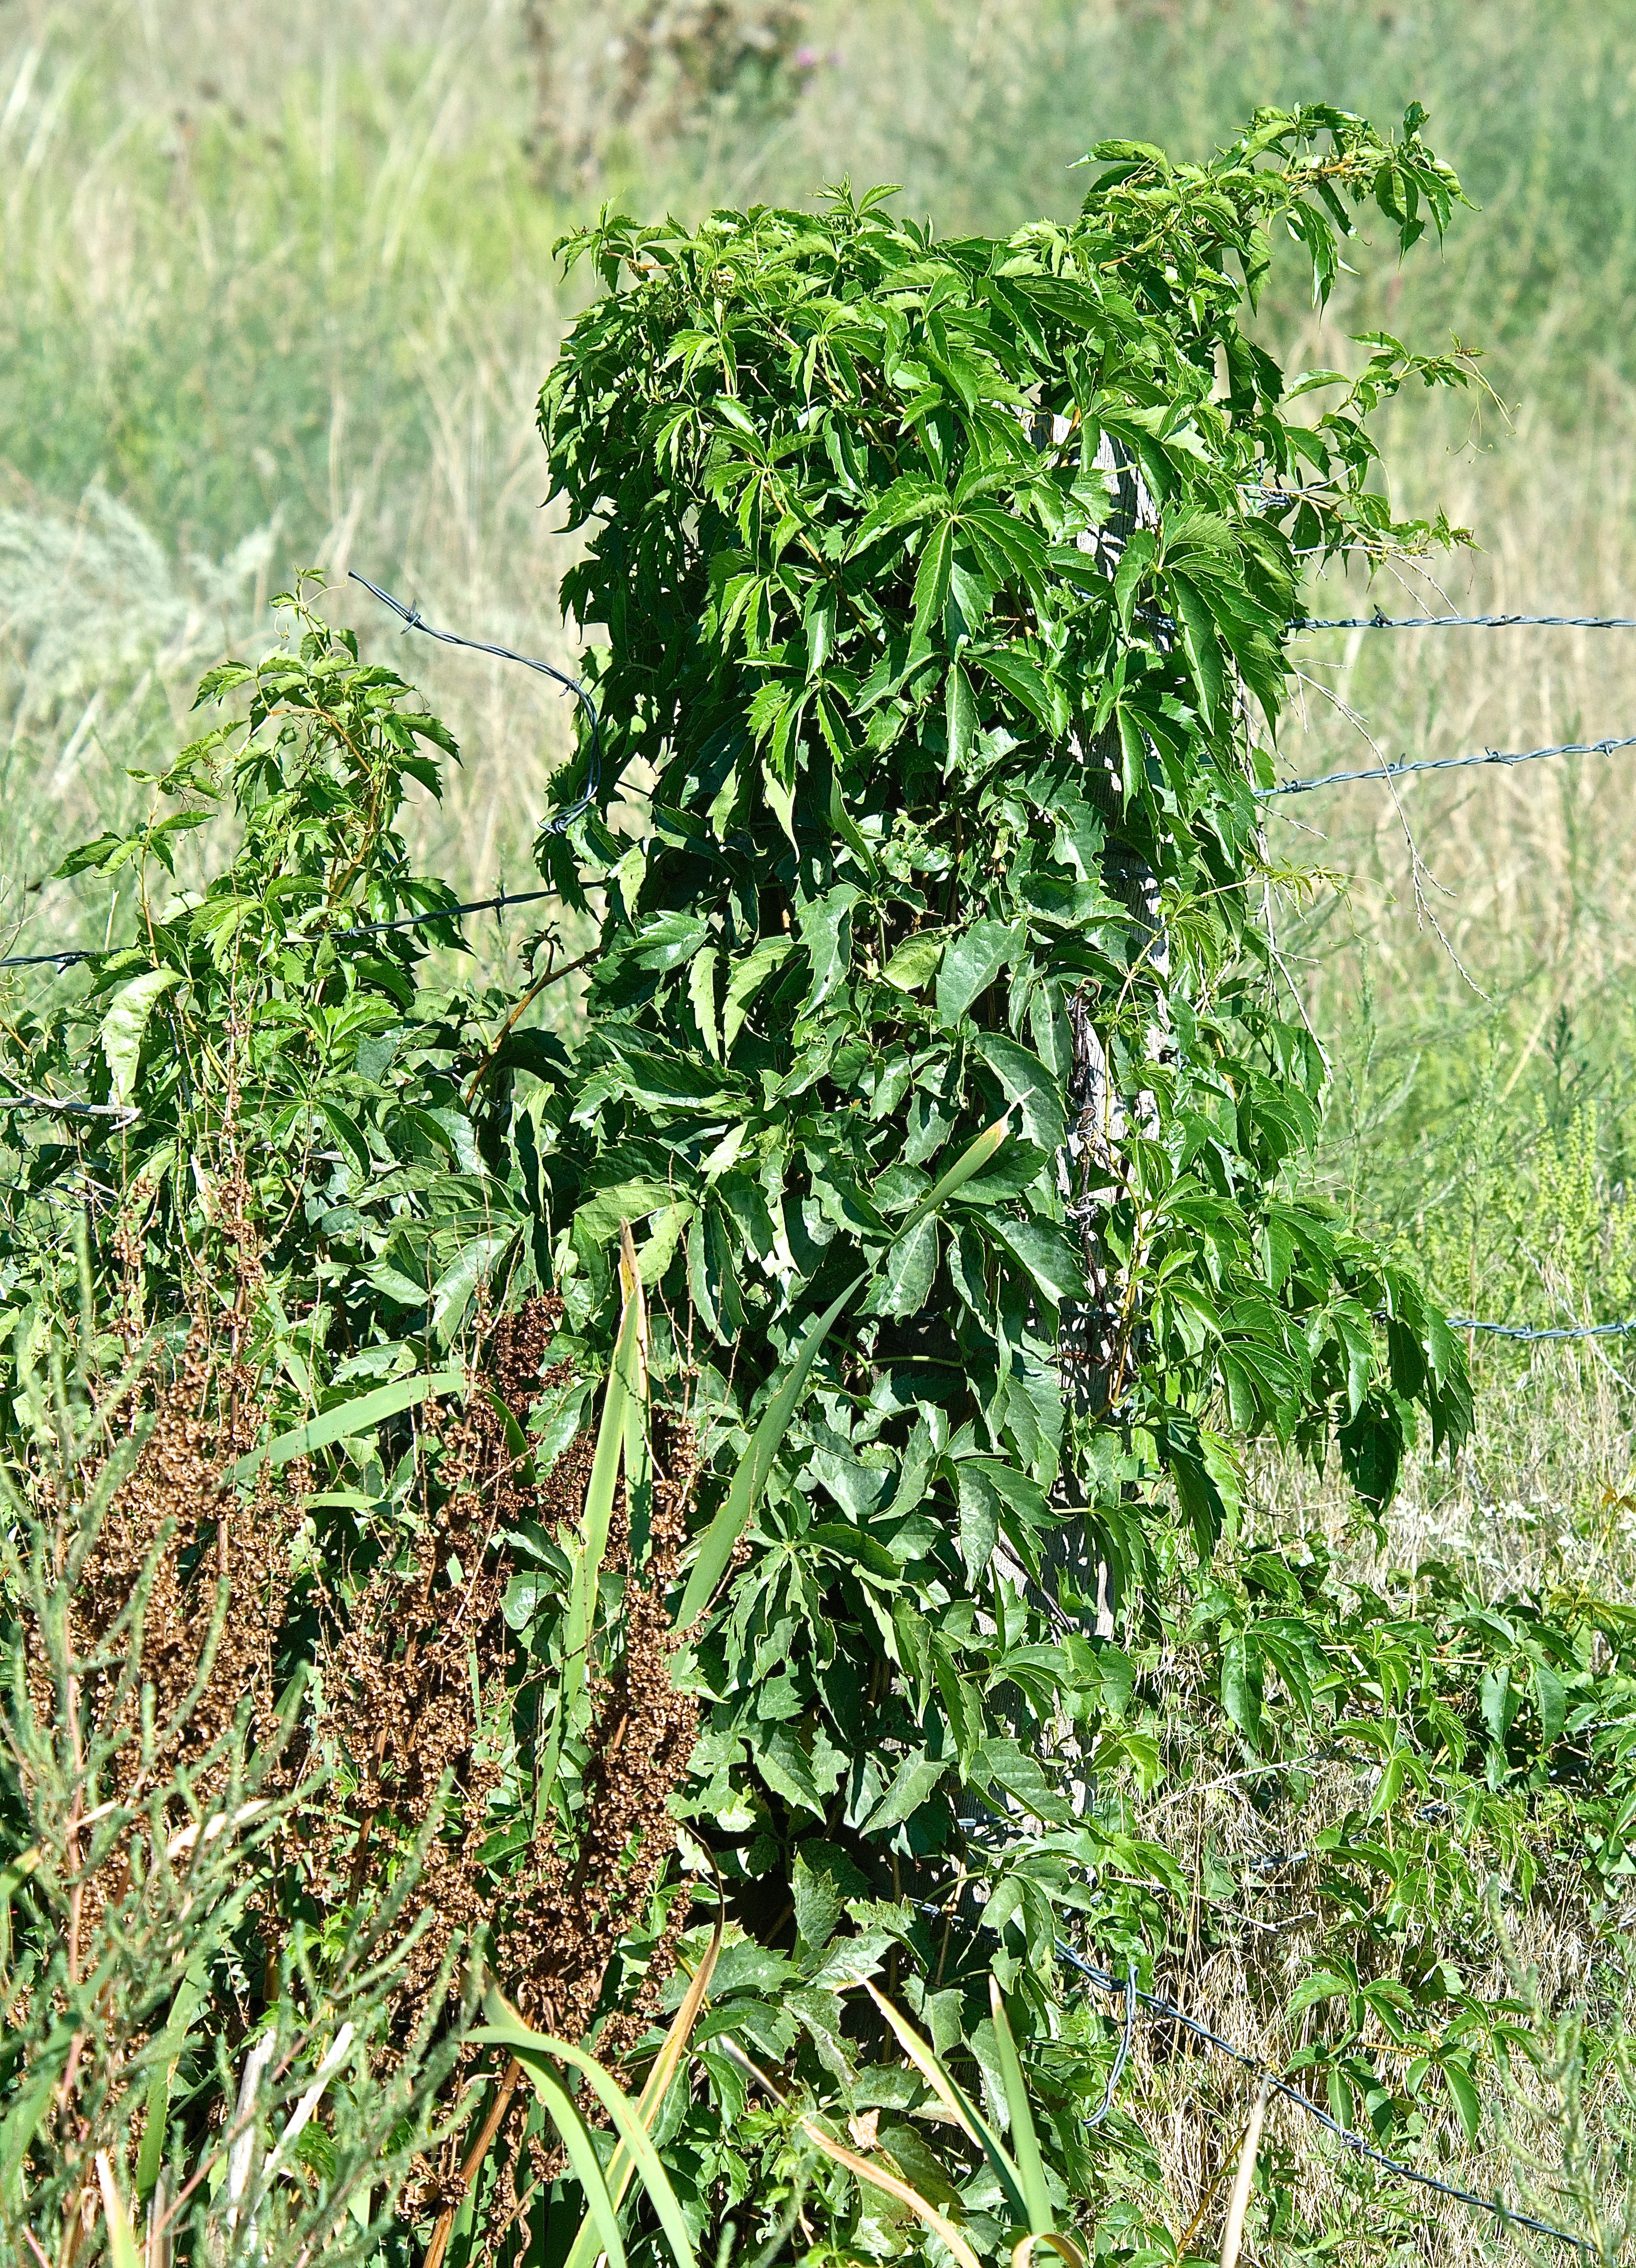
1124, 2055
501, 899
50, 1104
1169, 2011
444, 913
411, 617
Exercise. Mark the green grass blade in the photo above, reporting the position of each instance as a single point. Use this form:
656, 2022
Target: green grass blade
150, 2163
753, 1466
620, 2169
971, 1160
598, 1500
356, 1416
627, 1380
639, 1455
1024, 2141
537, 2053
552, 2091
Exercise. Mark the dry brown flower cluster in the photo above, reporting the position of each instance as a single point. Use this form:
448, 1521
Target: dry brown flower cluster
419, 1678
425, 1696
419, 1688
184, 1586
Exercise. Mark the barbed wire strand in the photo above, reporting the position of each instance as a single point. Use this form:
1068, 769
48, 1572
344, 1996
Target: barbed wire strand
1379, 622
411, 617
501, 899
446, 913
1169, 2011
1449, 764
70, 1109
65, 959
1532, 1331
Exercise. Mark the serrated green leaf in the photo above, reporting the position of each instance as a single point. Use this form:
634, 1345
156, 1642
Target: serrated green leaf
971, 961
702, 999
960, 715
916, 960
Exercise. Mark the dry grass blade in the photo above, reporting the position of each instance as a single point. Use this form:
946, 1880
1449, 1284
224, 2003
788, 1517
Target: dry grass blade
1238, 2204
879, 2178
121, 2243
926, 2063
1065, 2246
961, 2109
622, 2165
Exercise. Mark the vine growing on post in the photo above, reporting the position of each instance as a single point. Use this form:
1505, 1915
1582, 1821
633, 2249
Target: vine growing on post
859, 1313
945, 586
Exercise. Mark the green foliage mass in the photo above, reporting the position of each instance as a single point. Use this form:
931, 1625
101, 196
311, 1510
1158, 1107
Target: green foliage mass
272, 1025
953, 815
931, 574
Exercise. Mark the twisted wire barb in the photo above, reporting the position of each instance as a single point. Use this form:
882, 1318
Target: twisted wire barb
40, 960
410, 618
1449, 764
1380, 621
1168, 2011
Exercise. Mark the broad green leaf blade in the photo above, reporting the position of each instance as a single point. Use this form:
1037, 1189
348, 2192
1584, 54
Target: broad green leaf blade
536, 2052
1204, 655
915, 962
960, 715
1025, 2141
356, 1416
932, 582
621, 2166
702, 996
125, 1025
550, 2087
753, 1466
1468, 2103
974, 958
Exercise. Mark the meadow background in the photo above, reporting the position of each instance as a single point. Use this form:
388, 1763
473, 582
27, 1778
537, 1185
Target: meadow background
278, 292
